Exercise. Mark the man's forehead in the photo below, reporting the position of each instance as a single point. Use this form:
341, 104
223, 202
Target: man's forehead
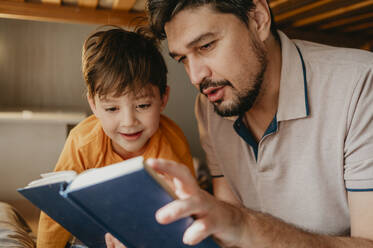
189, 26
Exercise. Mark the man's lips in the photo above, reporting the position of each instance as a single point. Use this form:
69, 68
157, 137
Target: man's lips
214, 93
131, 136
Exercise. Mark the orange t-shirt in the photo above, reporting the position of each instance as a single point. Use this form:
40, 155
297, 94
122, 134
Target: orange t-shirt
87, 146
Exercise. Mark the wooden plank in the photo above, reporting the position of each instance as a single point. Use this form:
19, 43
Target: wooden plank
88, 3
123, 4
345, 21
359, 27
332, 13
275, 3
71, 14
300, 10
57, 2
334, 39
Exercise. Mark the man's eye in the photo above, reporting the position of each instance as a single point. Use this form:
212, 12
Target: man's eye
143, 106
207, 46
112, 109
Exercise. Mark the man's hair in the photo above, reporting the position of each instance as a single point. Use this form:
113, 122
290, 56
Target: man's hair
162, 11
117, 61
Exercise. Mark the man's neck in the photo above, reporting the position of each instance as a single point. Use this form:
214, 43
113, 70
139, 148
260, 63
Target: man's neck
258, 118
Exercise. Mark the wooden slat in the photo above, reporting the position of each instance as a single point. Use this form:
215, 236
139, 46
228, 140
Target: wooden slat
57, 2
55, 13
300, 10
345, 21
359, 27
275, 3
332, 13
123, 4
88, 3
335, 39
368, 46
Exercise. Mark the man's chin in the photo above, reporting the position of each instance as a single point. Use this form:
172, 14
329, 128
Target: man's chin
225, 111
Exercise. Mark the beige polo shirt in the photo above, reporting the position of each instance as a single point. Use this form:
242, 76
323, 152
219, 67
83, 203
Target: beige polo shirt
319, 145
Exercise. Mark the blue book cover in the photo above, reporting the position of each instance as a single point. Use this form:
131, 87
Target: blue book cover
120, 199
47, 198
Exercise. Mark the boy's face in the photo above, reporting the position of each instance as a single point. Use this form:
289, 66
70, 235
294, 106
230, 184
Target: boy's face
130, 120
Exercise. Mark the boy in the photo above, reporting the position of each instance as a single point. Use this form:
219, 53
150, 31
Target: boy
126, 78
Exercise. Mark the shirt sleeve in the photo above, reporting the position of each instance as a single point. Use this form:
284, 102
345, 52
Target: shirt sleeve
201, 112
358, 167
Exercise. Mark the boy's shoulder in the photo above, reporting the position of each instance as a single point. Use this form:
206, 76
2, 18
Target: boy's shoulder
169, 127
87, 131
172, 133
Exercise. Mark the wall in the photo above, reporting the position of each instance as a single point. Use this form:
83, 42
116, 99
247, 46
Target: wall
40, 67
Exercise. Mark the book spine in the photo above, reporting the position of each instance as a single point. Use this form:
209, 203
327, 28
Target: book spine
74, 202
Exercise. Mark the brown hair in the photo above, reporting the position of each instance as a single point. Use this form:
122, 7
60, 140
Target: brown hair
117, 61
162, 11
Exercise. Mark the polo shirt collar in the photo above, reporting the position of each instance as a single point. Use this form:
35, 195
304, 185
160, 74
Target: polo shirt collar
293, 98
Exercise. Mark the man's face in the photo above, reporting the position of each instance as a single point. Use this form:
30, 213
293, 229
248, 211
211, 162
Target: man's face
221, 56
130, 120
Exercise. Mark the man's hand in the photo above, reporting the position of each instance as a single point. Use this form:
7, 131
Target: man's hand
112, 242
212, 216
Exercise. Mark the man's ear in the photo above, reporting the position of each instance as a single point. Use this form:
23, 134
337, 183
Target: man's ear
165, 98
91, 102
260, 16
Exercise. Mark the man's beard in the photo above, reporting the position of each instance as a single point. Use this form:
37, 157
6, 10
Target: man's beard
246, 98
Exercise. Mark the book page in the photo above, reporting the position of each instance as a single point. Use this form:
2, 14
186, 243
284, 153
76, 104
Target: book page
53, 177
94, 176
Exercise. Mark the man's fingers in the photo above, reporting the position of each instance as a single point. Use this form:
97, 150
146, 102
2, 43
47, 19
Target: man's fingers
197, 232
109, 240
179, 209
112, 242
185, 183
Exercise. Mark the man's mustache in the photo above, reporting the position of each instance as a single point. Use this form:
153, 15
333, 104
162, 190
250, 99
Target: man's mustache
207, 83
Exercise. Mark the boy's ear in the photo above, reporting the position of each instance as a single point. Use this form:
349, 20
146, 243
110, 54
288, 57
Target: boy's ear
165, 98
91, 102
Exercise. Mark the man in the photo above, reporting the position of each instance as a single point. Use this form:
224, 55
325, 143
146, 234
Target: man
287, 127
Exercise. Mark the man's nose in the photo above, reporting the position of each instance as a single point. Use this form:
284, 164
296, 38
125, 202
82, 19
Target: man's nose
198, 71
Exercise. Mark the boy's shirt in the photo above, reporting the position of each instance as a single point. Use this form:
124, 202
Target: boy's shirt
87, 146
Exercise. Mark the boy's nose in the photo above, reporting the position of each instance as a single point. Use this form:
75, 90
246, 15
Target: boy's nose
128, 118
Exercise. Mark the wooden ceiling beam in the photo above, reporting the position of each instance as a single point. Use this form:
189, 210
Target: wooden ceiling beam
57, 2
332, 13
334, 39
88, 3
305, 8
359, 27
57, 13
123, 4
345, 21
273, 4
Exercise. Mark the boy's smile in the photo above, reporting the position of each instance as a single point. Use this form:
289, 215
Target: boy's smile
130, 120
132, 136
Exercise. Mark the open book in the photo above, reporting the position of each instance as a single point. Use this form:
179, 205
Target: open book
120, 199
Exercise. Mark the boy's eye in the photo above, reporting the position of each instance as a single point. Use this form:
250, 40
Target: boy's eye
111, 109
143, 106
181, 59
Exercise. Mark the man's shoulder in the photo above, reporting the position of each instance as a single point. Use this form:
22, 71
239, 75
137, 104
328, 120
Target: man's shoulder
331, 55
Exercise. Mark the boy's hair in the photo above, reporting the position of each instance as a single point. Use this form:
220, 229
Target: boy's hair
162, 11
117, 61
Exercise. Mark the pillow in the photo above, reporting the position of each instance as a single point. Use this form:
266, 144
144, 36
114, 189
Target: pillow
14, 231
